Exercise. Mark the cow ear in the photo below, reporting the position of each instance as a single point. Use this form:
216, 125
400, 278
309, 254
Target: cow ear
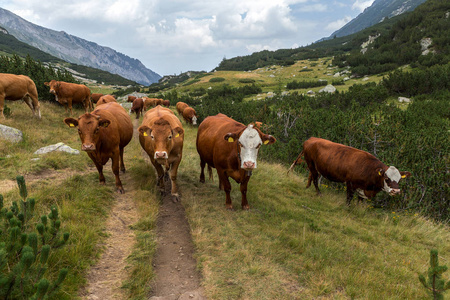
268, 139
104, 123
405, 174
144, 130
46, 83
177, 131
71, 122
380, 172
230, 137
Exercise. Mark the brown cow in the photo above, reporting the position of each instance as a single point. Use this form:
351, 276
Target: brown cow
131, 98
149, 103
166, 103
95, 97
189, 115
360, 170
105, 99
161, 135
138, 106
69, 93
180, 107
104, 133
231, 148
18, 87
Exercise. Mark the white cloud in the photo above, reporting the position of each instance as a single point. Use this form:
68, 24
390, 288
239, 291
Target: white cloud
360, 5
333, 26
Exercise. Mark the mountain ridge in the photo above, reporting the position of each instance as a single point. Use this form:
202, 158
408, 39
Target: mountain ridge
76, 50
376, 13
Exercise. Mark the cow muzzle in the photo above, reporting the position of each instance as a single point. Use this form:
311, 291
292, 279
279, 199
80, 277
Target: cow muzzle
248, 165
394, 192
161, 155
88, 147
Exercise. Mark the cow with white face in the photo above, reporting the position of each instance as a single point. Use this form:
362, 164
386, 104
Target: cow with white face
361, 171
231, 148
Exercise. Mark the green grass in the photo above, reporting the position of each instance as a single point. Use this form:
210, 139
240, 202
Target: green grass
295, 245
291, 244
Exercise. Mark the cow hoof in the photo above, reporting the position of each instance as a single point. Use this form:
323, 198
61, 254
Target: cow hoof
102, 183
120, 190
202, 180
245, 207
175, 198
229, 207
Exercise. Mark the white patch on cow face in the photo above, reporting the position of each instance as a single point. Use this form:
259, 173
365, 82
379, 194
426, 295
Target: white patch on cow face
194, 120
250, 142
394, 175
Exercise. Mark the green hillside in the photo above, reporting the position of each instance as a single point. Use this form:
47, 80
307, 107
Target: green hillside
398, 44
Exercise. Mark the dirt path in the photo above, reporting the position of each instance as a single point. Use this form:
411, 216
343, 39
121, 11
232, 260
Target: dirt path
175, 266
108, 274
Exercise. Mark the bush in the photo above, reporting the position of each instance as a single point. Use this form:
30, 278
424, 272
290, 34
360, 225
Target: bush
246, 80
217, 79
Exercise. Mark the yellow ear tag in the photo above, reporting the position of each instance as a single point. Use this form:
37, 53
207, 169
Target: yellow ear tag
230, 140
403, 176
71, 125
177, 135
266, 142
145, 133
379, 173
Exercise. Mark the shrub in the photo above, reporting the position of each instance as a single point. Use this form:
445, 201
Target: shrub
217, 79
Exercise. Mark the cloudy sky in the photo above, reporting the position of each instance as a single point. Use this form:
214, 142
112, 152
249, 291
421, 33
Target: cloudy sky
174, 36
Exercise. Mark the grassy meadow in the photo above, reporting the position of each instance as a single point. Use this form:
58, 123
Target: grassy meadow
291, 244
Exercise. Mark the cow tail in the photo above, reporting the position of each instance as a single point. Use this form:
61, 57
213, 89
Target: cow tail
297, 161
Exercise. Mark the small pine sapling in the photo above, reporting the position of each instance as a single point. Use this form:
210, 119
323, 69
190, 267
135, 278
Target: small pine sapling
23, 252
435, 284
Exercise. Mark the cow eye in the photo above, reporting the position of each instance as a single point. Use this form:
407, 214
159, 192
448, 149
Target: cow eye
96, 130
152, 136
259, 146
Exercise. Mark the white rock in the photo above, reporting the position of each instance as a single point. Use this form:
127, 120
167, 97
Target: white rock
57, 147
10, 134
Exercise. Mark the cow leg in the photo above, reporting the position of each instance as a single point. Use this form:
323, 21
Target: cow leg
2, 105
309, 180
99, 167
29, 102
115, 168
173, 177
210, 173
350, 192
243, 187
225, 183
202, 170
160, 171
122, 165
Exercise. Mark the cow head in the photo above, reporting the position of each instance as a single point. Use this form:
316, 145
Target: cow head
248, 142
54, 86
89, 127
161, 137
391, 177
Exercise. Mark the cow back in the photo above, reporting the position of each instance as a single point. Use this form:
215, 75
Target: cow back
78, 92
15, 87
211, 145
342, 163
106, 99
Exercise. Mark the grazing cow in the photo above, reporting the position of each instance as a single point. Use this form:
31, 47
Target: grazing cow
161, 135
189, 115
18, 87
104, 133
131, 98
138, 106
231, 148
180, 107
105, 99
166, 103
360, 170
158, 101
95, 97
69, 93
149, 103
